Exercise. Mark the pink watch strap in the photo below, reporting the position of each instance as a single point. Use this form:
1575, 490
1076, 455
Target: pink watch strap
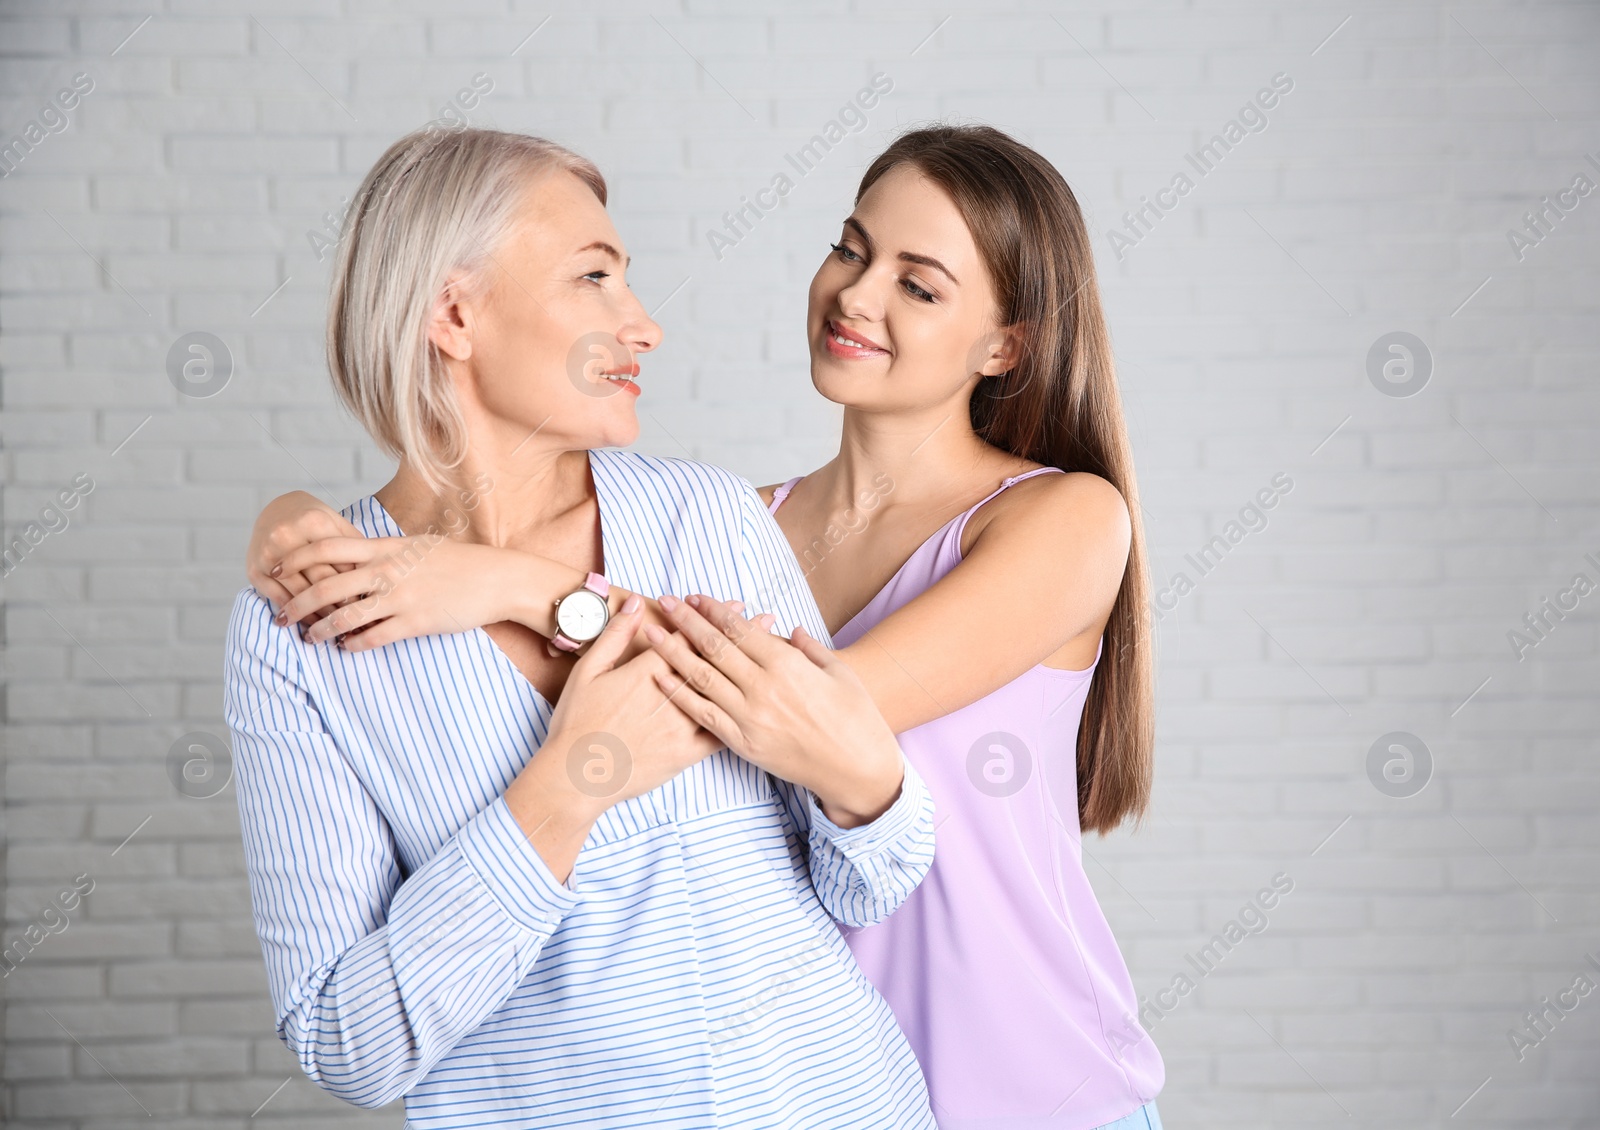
596, 584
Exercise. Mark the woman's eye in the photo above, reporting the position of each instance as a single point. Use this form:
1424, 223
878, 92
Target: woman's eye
845, 253
917, 292
598, 275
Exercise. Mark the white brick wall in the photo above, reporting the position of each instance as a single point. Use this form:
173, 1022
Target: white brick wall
1418, 531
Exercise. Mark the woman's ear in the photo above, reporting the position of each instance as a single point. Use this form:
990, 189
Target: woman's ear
450, 326
999, 351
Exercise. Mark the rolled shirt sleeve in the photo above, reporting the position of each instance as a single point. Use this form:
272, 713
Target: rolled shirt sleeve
863, 874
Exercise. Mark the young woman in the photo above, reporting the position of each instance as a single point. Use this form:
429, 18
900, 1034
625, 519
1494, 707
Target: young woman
975, 555
517, 912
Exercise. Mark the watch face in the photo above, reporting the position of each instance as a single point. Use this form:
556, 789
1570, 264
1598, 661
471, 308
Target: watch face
582, 615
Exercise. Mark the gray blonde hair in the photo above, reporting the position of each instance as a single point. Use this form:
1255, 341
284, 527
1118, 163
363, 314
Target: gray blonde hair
438, 202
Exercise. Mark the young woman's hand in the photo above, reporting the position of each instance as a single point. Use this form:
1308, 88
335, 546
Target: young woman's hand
793, 708
387, 589
289, 522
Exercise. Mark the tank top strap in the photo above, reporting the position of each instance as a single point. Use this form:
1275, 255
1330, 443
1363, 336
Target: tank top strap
782, 493
1015, 479
960, 526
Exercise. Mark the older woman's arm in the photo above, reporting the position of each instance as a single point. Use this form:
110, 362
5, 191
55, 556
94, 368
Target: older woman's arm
374, 975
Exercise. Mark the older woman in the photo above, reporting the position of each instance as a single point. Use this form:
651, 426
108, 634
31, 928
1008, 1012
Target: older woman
517, 889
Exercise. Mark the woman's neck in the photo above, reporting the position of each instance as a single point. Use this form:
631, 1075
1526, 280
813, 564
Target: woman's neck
926, 458
501, 502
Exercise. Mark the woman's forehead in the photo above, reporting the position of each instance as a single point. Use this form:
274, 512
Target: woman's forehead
904, 210
563, 217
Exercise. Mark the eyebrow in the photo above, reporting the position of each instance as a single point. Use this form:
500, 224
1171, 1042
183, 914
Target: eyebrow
904, 256
602, 245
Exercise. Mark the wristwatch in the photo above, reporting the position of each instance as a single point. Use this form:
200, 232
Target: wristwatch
582, 614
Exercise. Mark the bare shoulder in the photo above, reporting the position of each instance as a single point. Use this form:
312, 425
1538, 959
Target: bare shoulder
1074, 507
769, 492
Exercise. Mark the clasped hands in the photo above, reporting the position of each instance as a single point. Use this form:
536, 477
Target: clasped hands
790, 706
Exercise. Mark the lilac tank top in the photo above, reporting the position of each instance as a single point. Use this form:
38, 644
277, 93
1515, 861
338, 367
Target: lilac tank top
1001, 968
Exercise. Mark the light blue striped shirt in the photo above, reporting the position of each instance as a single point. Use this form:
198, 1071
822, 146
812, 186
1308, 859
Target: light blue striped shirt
687, 974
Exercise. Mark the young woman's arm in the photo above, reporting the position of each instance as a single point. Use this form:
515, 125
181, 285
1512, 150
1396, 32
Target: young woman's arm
384, 589
312, 565
1043, 569
862, 814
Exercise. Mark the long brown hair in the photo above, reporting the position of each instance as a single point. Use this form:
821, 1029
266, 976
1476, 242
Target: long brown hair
1059, 406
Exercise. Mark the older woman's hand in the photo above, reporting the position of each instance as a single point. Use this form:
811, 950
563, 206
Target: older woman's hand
613, 735
790, 706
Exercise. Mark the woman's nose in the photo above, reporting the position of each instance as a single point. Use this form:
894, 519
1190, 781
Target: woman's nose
640, 333
862, 299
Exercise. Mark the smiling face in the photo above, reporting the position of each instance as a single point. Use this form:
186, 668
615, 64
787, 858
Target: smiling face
902, 312
548, 342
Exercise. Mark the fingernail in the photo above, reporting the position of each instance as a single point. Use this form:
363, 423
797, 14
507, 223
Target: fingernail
694, 601
654, 634
281, 619
736, 605
632, 603
276, 569
667, 602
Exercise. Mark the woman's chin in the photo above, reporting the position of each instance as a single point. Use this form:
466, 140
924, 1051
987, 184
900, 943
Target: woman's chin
619, 431
833, 384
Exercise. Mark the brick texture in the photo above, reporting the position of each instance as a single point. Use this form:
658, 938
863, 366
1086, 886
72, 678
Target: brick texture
1387, 192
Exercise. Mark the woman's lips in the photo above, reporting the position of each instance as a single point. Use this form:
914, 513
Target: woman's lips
619, 378
831, 332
